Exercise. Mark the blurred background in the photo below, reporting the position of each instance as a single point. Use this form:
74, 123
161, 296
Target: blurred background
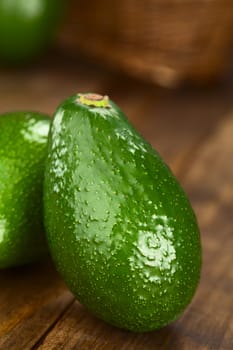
165, 42
169, 65
162, 61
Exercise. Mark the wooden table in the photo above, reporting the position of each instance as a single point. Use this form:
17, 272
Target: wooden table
193, 130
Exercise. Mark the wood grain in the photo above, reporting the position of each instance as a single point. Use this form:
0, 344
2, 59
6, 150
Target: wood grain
31, 299
192, 129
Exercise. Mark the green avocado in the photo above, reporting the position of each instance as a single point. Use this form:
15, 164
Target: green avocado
23, 149
27, 27
119, 226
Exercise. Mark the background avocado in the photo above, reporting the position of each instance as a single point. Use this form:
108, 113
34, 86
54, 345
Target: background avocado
23, 149
120, 228
26, 28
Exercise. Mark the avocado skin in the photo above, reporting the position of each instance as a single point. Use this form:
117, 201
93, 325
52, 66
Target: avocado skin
23, 149
119, 226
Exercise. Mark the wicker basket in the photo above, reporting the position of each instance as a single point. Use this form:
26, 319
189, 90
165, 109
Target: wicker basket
165, 41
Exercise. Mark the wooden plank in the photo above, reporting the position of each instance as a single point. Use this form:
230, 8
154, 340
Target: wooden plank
31, 299
207, 323
78, 329
209, 183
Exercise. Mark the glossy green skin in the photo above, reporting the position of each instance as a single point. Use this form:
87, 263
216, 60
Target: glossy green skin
120, 228
23, 149
26, 27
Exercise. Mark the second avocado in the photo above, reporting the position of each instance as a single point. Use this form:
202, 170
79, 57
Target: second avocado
120, 228
23, 150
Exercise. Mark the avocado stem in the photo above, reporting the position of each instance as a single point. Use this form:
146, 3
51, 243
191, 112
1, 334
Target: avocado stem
94, 100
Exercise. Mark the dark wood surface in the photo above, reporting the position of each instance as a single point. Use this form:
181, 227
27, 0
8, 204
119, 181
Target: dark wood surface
193, 131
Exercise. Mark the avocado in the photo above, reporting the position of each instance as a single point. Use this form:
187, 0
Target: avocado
23, 149
120, 229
